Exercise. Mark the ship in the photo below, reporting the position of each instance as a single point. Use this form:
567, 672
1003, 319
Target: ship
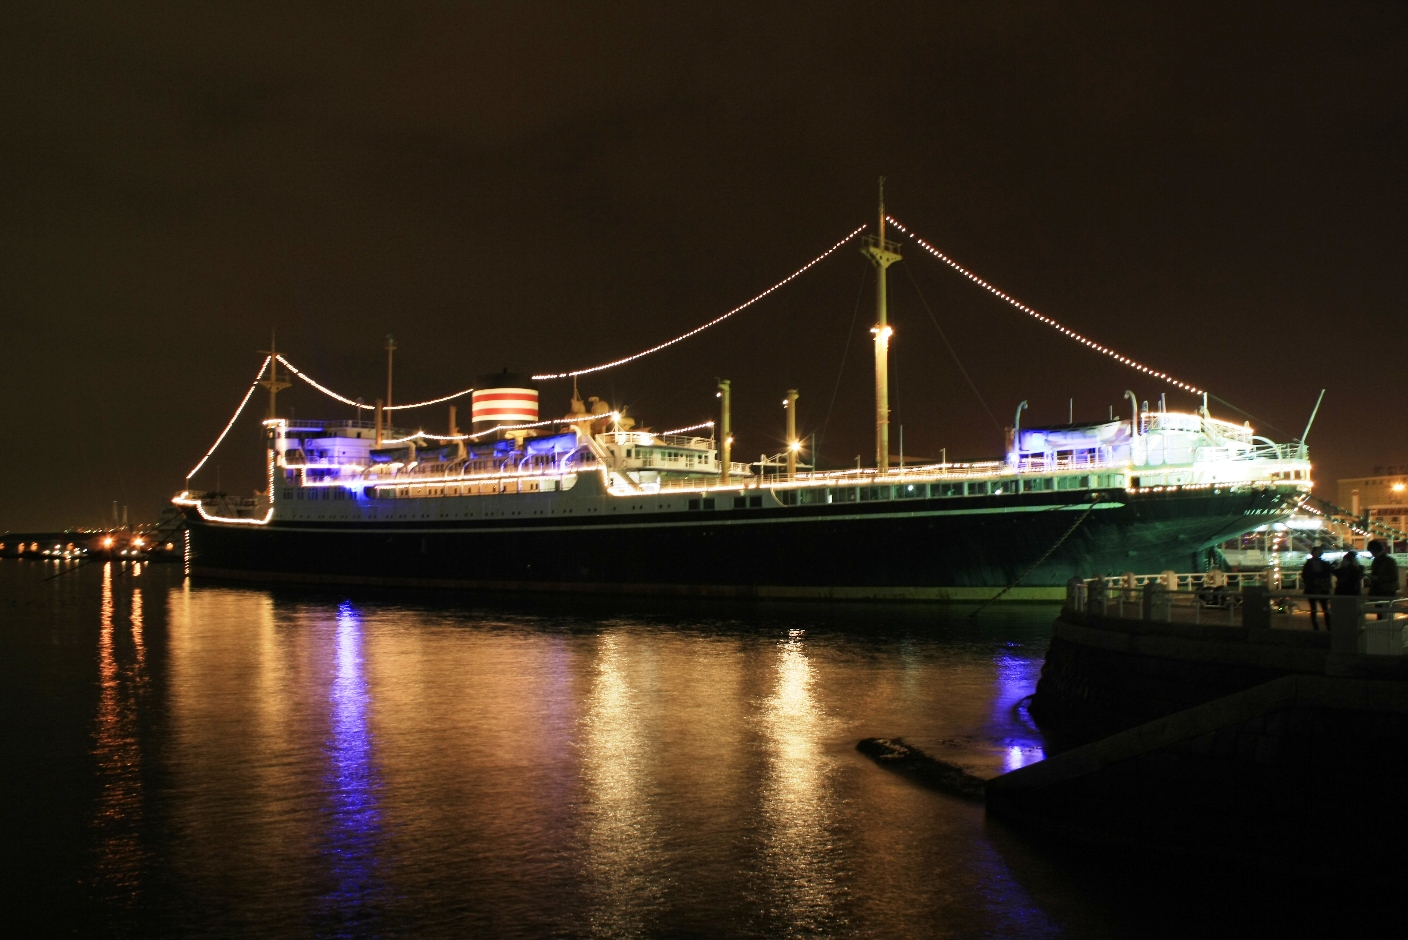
590, 500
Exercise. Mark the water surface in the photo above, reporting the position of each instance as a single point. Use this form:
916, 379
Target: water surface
206, 760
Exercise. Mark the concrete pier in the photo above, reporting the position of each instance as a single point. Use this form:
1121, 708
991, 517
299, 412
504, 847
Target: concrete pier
1302, 771
1283, 746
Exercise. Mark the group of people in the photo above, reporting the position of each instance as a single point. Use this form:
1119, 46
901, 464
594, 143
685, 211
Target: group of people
1348, 577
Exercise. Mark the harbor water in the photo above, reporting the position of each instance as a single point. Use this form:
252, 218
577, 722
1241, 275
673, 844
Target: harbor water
195, 759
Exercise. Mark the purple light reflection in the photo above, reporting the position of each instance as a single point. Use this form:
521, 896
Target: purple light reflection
1016, 678
351, 782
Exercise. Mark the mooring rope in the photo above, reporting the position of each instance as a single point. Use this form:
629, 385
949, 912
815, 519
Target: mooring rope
1094, 501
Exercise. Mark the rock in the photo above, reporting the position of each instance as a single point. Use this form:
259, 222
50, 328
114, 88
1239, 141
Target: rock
894, 754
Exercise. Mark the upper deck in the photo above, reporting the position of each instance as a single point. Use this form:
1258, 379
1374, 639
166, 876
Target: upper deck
314, 462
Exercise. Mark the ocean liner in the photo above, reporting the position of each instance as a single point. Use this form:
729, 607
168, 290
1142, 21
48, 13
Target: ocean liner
589, 501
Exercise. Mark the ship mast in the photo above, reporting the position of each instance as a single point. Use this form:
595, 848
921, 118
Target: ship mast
273, 383
390, 348
882, 254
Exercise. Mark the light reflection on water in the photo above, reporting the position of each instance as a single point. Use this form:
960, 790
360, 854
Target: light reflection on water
117, 746
1015, 680
354, 830
359, 767
622, 851
797, 796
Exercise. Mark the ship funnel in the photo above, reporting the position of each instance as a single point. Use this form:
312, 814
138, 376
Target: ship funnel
504, 398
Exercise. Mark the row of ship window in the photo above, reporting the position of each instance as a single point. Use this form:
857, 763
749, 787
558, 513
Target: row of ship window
850, 494
805, 496
494, 487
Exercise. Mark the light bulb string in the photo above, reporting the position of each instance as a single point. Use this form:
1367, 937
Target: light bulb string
548, 376
357, 404
233, 418
1002, 295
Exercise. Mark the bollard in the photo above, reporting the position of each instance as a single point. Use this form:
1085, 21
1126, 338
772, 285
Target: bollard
1156, 605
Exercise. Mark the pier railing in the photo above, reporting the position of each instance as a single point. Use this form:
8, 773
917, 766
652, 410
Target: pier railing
1379, 625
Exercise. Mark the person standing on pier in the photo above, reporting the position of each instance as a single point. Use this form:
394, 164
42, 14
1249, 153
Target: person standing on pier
1383, 575
1349, 576
1315, 581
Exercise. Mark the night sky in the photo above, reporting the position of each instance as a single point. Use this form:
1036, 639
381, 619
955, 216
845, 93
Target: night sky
1216, 190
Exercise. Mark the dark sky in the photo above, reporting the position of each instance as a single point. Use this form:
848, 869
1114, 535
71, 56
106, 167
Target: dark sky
1215, 189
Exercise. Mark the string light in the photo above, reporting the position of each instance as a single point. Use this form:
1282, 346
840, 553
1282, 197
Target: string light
356, 404
244, 401
1133, 364
422, 404
186, 500
692, 427
572, 419
717, 320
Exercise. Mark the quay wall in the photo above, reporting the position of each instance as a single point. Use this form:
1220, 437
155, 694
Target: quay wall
1103, 675
1301, 771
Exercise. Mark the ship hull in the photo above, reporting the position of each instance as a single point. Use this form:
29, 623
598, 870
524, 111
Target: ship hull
920, 549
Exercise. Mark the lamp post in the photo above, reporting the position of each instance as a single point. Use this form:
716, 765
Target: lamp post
790, 404
726, 439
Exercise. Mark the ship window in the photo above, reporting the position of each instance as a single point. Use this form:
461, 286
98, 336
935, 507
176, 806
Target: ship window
815, 494
694, 504
946, 489
1036, 484
709, 503
740, 502
978, 488
843, 494
787, 497
911, 491
755, 502
874, 492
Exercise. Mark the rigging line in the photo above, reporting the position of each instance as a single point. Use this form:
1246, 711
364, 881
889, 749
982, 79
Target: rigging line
356, 404
244, 401
1094, 501
1125, 360
1259, 421
860, 294
719, 319
956, 361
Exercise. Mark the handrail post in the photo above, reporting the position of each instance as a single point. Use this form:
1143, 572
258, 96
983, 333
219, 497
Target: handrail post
1256, 607
1346, 612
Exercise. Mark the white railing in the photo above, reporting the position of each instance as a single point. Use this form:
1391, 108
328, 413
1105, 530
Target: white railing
1380, 624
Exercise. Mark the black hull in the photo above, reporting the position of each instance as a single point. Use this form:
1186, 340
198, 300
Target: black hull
924, 549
